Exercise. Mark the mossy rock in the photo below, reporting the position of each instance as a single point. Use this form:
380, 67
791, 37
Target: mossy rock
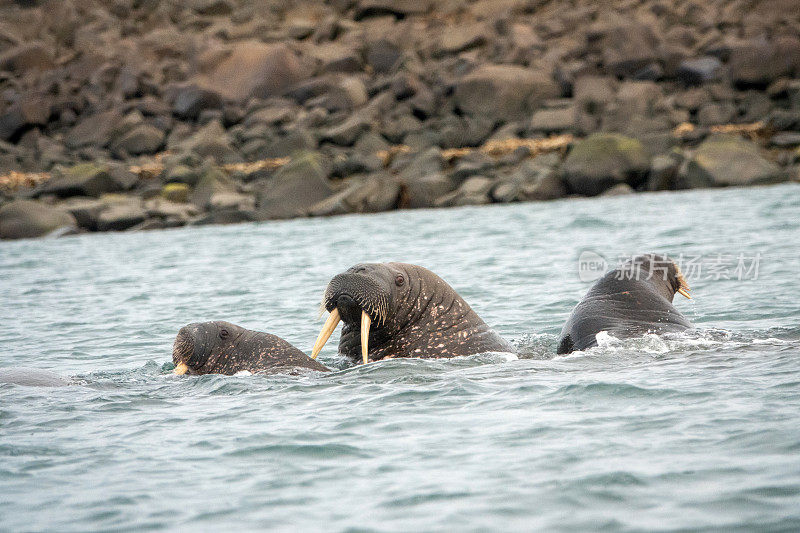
176, 192
604, 160
728, 160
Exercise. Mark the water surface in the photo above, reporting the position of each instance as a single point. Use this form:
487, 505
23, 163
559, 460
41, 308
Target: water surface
695, 431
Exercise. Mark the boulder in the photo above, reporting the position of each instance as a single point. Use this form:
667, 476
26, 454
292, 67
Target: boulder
699, 70
28, 111
758, 62
27, 57
603, 160
211, 141
503, 92
141, 139
593, 92
398, 8
84, 179
535, 179
94, 130
628, 48
424, 191
27, 219
253, 70
556, 120
459, 38
193, 99
211, 184
727, 160
383, 56
85, 210
474, 191
294, 188
175, 192
121, 215
346, 133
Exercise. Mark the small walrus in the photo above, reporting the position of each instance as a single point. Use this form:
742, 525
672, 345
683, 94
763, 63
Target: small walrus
629, 301
402, 310
223, 348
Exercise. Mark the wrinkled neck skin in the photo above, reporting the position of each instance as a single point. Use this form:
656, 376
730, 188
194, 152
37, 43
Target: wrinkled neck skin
428, 320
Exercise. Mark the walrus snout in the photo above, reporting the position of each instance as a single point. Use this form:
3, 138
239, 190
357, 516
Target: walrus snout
183, 349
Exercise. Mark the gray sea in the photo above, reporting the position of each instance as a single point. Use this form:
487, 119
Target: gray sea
699, 431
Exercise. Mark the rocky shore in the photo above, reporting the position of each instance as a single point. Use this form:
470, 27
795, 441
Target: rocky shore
146, 114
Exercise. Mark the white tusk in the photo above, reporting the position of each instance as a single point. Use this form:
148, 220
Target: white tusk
325, 334
366, 322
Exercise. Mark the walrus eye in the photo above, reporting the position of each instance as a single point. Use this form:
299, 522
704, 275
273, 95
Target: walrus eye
223, 334
399, 280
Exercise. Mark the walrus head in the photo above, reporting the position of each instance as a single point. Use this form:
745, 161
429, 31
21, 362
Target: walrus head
401, 310
203, 346
659, 271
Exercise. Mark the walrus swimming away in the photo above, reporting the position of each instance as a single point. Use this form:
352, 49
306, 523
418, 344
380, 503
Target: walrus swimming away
224, 348
629, 301
401, 310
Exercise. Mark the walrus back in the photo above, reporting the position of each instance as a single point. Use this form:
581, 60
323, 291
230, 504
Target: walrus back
622, 307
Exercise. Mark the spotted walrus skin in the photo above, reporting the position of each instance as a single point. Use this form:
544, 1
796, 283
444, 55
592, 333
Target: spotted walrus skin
225, 348
401, 310
629, 301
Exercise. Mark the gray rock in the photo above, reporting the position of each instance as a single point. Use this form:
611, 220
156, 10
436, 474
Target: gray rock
536, 179
226, 216
212, 183
758, 62
253, 69
727, 160
620, 189
398, 8
699, 70
503, 92
94, 130
346, 133
383, 56
715, 113
378, 192
474, 191
85, 179
27, 219
141, 139
628, 48
603, 160
423, 191
27, 57
663, 172
557, 120
594, 92
28, 111
294, 188
121, 215
192, 100
211, 141
85, 210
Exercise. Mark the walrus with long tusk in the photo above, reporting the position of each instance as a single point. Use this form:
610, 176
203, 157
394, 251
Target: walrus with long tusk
402, 310
629, 301
224, 348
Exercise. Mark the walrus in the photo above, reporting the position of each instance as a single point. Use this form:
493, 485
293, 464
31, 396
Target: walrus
628, 301
402, 310
223, 348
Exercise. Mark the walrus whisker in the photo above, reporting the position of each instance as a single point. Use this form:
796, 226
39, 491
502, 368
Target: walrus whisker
683, 286
366, 322
325, 334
